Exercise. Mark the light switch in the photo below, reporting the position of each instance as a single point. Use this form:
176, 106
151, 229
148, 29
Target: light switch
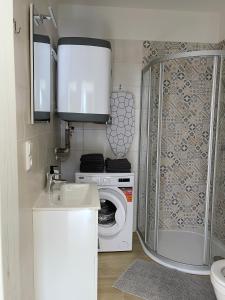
28, 155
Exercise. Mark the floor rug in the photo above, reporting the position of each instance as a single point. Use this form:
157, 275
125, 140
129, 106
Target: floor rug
151, 281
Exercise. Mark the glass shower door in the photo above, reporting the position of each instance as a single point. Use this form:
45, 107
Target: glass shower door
217, 249
148, 157
142, 185
187, 93
181, 210
152, 157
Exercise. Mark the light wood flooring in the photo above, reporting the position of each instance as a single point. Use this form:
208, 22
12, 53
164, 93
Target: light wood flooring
111, 265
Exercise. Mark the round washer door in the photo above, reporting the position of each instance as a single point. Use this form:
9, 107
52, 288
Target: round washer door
117, 198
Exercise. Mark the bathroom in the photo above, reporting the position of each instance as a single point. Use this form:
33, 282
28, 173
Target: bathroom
177, 167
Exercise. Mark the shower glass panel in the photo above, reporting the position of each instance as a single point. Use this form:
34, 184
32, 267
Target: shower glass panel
152, 156
218, 215
143, 153
187, 94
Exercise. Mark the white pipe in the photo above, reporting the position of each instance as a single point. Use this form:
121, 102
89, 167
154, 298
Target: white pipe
52, 16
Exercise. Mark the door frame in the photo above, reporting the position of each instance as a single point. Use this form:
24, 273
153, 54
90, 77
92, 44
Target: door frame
9, 208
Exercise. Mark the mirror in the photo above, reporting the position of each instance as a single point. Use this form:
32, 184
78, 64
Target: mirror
40, 54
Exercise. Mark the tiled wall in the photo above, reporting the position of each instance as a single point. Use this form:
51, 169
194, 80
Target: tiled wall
91, 138
43, 138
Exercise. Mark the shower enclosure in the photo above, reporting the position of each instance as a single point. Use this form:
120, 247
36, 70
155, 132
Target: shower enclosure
181, 208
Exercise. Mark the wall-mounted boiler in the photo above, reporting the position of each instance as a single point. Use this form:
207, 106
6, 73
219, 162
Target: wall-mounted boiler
84, 79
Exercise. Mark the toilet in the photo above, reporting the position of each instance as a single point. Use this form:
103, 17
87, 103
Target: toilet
217, 277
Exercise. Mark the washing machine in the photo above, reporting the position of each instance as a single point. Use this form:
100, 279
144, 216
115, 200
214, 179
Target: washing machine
115, 218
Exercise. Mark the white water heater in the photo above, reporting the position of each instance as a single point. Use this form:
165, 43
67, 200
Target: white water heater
84, 79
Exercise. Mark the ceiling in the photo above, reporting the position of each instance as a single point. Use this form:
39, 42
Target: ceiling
181, 5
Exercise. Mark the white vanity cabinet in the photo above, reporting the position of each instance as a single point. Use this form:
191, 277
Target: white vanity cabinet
65, 250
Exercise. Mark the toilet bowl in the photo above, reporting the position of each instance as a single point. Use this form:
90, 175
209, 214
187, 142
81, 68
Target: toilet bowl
217, 277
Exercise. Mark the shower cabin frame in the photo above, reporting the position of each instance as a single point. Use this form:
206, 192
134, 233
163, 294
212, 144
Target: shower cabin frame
218, 57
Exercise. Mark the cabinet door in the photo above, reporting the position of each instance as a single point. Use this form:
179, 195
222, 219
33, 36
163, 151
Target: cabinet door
65, 255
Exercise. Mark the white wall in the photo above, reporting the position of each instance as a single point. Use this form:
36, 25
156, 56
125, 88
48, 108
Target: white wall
137, 24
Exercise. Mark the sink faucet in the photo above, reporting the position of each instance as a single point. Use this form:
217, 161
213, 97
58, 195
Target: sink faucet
51, 180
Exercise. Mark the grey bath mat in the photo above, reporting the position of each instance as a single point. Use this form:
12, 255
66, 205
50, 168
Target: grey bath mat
151, 281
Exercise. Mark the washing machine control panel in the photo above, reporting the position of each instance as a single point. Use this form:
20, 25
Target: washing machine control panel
105, 179
88, 179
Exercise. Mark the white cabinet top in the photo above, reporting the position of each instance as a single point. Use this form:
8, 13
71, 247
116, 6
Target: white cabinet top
70, 196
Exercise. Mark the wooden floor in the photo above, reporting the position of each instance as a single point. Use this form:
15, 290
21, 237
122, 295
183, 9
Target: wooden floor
111, 265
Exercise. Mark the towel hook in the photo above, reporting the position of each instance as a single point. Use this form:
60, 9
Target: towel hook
120, 87
16, 30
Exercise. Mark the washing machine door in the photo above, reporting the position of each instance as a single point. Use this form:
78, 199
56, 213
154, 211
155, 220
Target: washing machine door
112, 215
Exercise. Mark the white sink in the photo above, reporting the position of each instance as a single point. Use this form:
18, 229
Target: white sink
69, 196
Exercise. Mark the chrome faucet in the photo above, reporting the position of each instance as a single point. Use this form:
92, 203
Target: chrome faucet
51, 180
